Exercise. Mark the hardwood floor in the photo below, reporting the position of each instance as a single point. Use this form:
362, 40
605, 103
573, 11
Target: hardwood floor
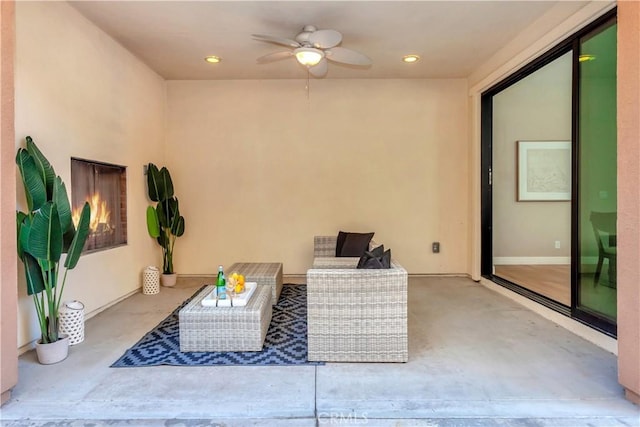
552, 281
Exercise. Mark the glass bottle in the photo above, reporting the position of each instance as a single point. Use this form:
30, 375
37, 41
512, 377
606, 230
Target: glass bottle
221, 290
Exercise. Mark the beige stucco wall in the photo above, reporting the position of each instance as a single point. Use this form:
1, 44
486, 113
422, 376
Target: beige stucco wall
537, 108
8, 257
78, 93
629, 197
262, 166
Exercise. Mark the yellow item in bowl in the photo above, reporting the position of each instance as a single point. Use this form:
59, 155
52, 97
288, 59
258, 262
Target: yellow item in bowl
239, 288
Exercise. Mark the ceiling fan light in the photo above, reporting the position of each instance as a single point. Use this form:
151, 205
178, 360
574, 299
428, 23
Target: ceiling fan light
409, 59
308, 56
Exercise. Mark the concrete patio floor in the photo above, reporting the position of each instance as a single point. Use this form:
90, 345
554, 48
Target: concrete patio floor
476, 358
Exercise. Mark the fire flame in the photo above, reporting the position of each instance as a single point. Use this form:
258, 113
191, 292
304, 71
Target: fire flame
100, 214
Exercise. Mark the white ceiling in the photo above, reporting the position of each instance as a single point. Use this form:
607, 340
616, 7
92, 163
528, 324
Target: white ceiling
452, 37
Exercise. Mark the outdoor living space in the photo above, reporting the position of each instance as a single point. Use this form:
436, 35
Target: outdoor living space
475, 358
265, 158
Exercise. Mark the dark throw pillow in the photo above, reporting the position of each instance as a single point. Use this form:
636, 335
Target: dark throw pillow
374, 253
376, 258
355, 244
340, 242
386, 259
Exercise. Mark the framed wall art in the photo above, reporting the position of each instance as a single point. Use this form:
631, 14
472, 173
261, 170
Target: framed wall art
543, 170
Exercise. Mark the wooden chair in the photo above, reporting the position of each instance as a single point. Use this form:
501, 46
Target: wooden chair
604, 228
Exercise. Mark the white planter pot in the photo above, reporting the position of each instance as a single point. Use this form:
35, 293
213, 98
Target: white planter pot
53, 352
169, 280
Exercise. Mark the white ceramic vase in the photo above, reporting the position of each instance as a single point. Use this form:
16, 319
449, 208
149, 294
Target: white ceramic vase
169, 280
54, 352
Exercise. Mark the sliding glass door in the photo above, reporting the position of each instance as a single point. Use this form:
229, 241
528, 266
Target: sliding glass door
549, 178
531, 156
596, 279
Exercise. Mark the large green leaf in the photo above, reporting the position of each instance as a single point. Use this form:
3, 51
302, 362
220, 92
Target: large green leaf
45, 238
161, 215
61, 199
166, 211
159, 183
33, 274
23, 245
170, 206
178, 229
21, 236
24, 234
152, 222
174, 208
67, 238
153, 183
163, 240
34, 187
174, 221
47, 174
166, 183
75, 250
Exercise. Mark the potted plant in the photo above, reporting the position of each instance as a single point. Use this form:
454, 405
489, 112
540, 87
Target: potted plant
164, 222
44, 233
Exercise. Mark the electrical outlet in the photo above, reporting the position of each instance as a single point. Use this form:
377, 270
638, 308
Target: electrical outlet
435, 247
557, 245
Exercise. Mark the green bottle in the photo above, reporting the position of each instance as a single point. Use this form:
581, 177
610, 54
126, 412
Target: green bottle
221, 289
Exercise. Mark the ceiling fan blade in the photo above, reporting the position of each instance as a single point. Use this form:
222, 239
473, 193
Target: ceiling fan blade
320, 69
325, 39
347, 56
274, 39
275, 56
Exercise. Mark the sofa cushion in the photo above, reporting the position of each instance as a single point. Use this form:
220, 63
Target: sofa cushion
353, 244
376, 258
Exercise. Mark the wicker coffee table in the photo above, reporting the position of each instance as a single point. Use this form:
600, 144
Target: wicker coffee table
263, 273
225, 328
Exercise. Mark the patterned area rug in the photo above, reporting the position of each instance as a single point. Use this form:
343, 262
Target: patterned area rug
285, 343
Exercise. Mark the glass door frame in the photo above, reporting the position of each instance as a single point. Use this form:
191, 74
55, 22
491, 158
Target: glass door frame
571, 44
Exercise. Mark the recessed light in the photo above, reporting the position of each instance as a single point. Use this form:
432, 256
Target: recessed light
586, 57
212, 59
409, 59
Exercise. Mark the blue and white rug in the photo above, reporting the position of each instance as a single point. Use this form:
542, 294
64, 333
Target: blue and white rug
285, 343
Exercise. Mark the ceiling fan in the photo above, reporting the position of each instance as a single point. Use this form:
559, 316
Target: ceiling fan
312, 48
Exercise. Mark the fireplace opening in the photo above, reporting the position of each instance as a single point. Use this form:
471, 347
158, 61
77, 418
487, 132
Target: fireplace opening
104, 186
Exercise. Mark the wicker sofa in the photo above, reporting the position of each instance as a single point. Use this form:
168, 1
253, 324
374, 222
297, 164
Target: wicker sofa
355, 315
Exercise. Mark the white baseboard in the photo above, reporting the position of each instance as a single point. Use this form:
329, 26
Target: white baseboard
31, 345
110, 304
532, 260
